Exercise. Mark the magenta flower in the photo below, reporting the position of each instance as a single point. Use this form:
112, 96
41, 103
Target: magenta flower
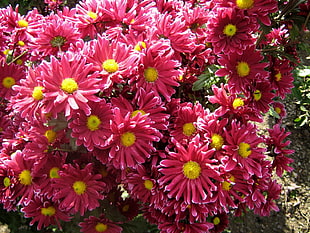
45, 213
131, 141
78, 190
188, 174
94, 224
92, 130
229, 30
242, 69
242, 149
68, 85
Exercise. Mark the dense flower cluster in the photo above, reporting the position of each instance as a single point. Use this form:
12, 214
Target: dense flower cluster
95, 104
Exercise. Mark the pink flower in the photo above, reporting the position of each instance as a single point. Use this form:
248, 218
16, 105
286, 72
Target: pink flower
92, 130
131, 141
277, 145
113, 60
10, 75
93, 224
155, 77
229, 30
54, 36
188, 174
78, 190
242, 149
68, 85
45, 213
281, 77
242, 69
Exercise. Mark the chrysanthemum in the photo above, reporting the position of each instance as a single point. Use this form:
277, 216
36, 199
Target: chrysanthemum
174, 29
220, 222
141, 185
279, 108
232, 189
260, 96
272, 193
229, 30
29, 101
232, 105
155, 77
189, 173
277, 144
47, 170
256, 9
242, 69
113, 60
131, 141
281, 77
23, 172
54, 36
94, 224
10, 75
44, 213
68, 85
147, 103
78, 189
7, 189
184, 127
242, 147
213, 133
92, 130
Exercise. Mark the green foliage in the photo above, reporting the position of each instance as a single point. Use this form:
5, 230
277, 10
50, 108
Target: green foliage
301, 92
207, 79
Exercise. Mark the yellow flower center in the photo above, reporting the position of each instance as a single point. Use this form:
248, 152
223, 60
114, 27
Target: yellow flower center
191, 170
278, 76
25, 177
8, 82
216, 221
278, 110
21, 43
226, 186
100, 227
243, 69
22, 23
69, 85
148, 184
135, 113
128, 139
6, 182
37, 93
189, 129
110, 65
150, 74
244, 150
50, 135
54, 172
49, 211
92, 15
257, 95
217, 141
230, 30
245, 4
79, 187
139, 46
238, 102
93, 122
